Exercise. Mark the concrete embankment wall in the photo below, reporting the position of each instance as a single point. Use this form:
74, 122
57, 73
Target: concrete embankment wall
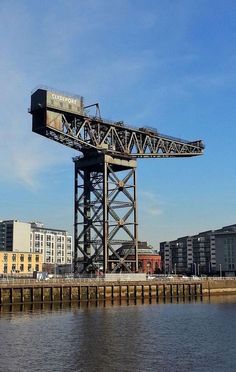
92, 290
219, 287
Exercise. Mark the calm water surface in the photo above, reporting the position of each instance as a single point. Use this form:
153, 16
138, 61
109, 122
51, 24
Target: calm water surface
196, 336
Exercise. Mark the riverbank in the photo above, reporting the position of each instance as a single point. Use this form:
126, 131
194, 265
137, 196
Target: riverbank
31, 291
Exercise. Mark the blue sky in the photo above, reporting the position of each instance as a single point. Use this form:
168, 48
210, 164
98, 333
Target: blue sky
165, 64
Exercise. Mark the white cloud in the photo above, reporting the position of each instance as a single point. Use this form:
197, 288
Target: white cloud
150, 204
211, 80
37, 51
41, 48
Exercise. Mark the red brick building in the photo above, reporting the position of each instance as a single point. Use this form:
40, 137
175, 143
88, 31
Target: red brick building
148, 261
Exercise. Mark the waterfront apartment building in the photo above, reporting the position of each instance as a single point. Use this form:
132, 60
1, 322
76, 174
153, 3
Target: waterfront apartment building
210, 252
54, 245
22, 263
14, 236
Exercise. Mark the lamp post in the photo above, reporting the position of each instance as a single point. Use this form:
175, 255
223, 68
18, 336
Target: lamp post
55, 269
71, 267
198, 269
209, 268
220, 270
167, 269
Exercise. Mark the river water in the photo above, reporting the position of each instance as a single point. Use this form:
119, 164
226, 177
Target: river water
190, 336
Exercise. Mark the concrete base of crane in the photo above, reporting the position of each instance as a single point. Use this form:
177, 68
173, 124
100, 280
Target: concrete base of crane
125, 277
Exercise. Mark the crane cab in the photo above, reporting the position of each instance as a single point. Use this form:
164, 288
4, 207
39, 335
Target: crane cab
48, 106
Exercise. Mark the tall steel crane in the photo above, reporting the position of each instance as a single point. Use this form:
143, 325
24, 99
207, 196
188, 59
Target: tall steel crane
105, 204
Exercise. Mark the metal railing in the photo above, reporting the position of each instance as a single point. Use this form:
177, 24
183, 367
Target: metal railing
90, 279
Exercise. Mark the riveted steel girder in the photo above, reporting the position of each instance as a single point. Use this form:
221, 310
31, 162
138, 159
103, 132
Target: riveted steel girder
85, 133
105, 213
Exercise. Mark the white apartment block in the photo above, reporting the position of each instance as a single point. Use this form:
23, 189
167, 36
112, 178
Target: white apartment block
54, 245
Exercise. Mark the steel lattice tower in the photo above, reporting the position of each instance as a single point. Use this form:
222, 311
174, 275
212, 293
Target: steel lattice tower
105, 211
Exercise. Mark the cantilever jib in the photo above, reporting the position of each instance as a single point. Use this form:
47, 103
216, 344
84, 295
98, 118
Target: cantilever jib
63, 119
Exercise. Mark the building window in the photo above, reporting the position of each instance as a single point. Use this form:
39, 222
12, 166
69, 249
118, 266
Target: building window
5, 268
229, 253
29, 267
21, 267
37, 258
13, 268
22, 258
29, 258
37, 267
13, 257
5, 257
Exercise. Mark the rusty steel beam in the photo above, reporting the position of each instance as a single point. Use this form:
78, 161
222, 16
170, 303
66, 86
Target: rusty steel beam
105, 214
73, 127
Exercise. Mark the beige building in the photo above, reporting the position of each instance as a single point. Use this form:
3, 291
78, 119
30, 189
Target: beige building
54, 245
20, 262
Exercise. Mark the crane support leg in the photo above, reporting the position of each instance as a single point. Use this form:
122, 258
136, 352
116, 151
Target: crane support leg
105, 225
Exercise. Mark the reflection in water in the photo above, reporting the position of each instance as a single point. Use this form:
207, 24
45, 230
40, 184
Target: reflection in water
114, 336
41, 307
